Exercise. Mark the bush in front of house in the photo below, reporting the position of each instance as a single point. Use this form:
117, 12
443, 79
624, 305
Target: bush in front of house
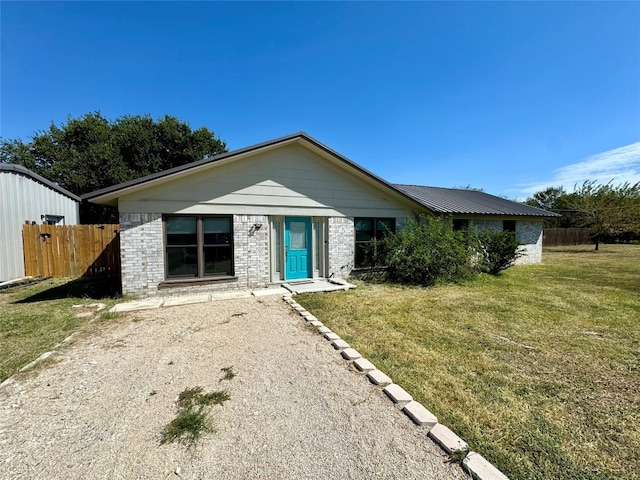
427, 253
497, 251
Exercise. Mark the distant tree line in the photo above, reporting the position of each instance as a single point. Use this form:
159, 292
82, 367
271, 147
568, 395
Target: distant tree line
91, 152
611, 213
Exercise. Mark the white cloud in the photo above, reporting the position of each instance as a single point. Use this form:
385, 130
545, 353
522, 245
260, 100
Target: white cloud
618, 166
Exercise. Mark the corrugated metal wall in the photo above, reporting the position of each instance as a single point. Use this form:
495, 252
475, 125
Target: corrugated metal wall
23, 199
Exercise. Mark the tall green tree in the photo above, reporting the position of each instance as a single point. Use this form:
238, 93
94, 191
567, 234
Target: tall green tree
607, 210
92, 152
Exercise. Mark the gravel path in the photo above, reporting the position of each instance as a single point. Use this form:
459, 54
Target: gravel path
297, 410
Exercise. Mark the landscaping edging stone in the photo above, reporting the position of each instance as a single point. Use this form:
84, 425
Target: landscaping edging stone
447, 440
420, 415
474, 464
397, 394
480, 469
378, 378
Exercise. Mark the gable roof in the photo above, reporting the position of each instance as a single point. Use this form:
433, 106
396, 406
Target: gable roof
434, 199
20, 170
109, 195
469, 202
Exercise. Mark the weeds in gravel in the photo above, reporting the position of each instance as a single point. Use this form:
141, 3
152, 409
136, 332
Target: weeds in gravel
457, 456
193, 420
228, 373
188, 427
110, 315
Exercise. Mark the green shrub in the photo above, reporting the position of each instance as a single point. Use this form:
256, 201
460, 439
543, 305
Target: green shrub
497, 250
428, 252
373, 254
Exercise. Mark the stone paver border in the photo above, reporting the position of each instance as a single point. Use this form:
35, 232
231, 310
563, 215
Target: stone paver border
473, 463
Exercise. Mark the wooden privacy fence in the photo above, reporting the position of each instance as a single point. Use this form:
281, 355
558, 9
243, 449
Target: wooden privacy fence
554, 237
71, 250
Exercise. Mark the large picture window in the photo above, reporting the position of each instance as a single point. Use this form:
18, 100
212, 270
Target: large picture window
368, 229
198, 246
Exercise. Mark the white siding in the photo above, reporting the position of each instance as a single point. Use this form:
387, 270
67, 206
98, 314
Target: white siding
287, 181
23, 199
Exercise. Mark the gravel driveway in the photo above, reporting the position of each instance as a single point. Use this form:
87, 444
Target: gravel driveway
297, 410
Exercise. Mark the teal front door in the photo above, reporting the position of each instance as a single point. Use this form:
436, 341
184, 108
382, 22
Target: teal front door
297, 246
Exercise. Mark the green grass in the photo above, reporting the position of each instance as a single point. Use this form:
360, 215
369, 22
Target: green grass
188, 427
35, 318
193, 420
193, 397
538, 369
229, 374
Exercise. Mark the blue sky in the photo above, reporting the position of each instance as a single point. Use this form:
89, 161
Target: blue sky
510, 97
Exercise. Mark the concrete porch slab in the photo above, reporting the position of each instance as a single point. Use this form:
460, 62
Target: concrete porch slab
317, 285
230, 295
265, 292
186, 300
146, 304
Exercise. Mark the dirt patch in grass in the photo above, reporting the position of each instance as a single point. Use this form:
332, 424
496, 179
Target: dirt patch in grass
538, 369
35, 318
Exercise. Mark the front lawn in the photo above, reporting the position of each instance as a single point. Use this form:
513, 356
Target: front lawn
538, 369
35, 318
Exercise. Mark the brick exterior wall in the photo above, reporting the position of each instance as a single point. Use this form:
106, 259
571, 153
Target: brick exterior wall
141, 253
528, 232
341, 248
251, 250
142, 256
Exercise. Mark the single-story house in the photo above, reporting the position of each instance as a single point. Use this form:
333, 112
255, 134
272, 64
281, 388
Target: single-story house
286, 209
26, 197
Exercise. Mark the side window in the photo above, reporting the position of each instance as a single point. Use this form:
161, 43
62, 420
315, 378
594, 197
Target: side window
509, 226
52, 219
460, 224
368, 229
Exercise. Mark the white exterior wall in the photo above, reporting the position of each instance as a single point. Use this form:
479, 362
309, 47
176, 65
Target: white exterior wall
251, 251
290, 181
528, 232
141, 253
287, 181
24, 199
341, 248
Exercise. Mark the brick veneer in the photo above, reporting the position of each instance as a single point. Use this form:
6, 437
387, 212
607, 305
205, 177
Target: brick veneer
528, 232
341, 246
142, 251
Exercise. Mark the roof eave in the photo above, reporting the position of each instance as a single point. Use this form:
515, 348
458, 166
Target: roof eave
12, 167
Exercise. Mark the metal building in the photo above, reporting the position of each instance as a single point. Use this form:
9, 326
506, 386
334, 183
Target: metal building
27, 197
